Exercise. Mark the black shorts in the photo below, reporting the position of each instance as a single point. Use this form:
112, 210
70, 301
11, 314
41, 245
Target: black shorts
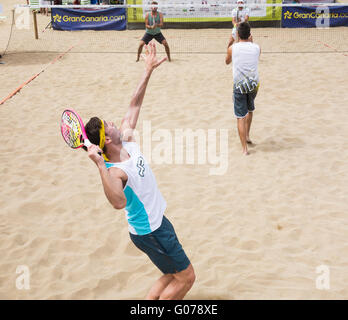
244, 102
159, 37
163, 248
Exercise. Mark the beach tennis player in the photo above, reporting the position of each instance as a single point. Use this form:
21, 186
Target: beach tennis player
153, 24
245, 57
239, 14
129, 183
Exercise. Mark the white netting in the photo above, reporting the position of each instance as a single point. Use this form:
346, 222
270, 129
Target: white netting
194, 28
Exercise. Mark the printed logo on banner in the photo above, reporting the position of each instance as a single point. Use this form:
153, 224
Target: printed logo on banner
287, 15
57, 18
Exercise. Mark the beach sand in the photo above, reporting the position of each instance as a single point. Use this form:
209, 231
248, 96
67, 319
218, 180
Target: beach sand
258, 231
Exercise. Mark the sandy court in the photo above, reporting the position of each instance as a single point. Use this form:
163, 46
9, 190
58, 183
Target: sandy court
257, 231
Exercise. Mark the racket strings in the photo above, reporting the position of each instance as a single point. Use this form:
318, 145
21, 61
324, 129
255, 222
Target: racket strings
71, 130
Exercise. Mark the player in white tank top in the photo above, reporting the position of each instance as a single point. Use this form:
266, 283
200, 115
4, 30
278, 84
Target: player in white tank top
130, 184
245, 58
239, 15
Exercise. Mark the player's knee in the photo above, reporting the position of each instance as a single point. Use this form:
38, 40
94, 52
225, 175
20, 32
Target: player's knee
152, 296
190, 277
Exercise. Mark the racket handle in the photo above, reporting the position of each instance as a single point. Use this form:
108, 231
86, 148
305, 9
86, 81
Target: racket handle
88, 143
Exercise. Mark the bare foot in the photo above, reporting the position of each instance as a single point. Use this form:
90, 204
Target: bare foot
246, 152
137, 60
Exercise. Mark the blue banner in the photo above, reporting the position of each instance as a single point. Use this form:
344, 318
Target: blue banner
89, 19
311, 17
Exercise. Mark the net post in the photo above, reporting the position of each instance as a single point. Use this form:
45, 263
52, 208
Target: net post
35, 25
125, 3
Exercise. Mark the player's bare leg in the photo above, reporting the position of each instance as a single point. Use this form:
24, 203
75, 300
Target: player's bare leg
140, 49
249, 119
242, 130
158, 287
166, 47
182, 282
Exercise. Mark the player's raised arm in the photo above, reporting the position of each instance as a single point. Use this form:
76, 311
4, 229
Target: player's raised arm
234, 21
112, 180
151, 63
160, 25
247, 13
228, 58
147, 22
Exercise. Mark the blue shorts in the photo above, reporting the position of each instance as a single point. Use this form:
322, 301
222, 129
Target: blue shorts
244, 102
159, 37
163, 248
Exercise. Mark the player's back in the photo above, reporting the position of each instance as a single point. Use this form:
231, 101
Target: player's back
245, 59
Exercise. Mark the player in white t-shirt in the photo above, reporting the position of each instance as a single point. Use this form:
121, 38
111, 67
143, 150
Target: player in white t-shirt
130, 184
239, 14
245, 57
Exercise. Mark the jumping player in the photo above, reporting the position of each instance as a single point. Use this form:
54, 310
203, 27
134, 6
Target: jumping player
130, 184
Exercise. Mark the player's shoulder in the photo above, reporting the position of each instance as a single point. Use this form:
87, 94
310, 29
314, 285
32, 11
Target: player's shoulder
256, 45
117, 173
131, 146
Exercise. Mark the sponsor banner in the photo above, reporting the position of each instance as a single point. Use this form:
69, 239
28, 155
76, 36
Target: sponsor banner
215, 10
89, 19
309, 1
310, 17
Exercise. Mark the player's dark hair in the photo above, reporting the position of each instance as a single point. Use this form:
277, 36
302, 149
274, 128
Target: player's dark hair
92, 130
154, 2
244, 30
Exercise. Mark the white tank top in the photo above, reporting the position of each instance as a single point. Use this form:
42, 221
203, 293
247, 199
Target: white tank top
240, 14
145, 203
245, 59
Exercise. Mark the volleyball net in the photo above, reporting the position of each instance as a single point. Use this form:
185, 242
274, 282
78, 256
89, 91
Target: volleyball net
189, 26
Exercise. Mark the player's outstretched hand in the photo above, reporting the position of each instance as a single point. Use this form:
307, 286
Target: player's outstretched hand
151, 60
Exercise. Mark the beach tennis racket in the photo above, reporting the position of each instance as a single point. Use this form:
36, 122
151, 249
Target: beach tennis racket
73, 130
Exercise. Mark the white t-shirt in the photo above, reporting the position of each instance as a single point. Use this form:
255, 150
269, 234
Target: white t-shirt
240, 14
245, 59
